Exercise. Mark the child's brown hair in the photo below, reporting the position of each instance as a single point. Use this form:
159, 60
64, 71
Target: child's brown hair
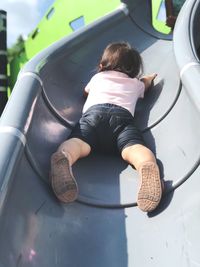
123, 58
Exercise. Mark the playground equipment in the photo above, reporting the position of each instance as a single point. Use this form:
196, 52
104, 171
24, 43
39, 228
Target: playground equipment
61, 19
103, 227
3, 60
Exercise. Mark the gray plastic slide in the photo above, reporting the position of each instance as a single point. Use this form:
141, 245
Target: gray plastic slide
104, 227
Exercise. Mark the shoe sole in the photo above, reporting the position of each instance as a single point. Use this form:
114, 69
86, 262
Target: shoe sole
150, 188
62, 180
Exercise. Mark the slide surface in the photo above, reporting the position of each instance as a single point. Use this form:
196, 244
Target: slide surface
104, 227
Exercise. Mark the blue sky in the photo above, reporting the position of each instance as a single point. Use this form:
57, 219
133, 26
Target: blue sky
23, 16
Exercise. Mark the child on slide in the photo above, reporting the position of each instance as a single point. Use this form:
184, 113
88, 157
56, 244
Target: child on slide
107, 125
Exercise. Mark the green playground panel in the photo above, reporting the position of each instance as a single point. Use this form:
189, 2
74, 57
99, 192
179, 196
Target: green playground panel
56, 22
158, 6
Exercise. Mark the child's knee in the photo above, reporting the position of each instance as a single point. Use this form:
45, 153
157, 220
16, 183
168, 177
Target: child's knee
137, 154
75, 146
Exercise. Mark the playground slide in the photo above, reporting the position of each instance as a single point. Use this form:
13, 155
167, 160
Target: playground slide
104, 227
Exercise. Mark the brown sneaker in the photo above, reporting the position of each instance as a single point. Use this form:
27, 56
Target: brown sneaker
150, 188
62, 180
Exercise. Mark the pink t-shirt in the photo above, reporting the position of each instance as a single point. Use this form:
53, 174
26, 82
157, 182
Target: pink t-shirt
114, 87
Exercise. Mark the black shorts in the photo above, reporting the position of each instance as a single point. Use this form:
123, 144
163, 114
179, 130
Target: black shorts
107, 128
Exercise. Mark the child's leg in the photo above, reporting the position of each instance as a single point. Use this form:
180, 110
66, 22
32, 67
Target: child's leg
137, 155
150, 190
62, 180
75, 148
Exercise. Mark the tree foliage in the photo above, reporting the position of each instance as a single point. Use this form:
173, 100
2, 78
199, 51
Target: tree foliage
16, 49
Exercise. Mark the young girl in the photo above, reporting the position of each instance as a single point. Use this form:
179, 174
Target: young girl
108, 125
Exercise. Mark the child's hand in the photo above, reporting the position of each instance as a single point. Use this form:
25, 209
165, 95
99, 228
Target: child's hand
148, 80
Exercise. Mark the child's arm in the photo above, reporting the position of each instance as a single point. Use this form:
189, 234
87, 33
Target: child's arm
85, 93
86, 90
148, 80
